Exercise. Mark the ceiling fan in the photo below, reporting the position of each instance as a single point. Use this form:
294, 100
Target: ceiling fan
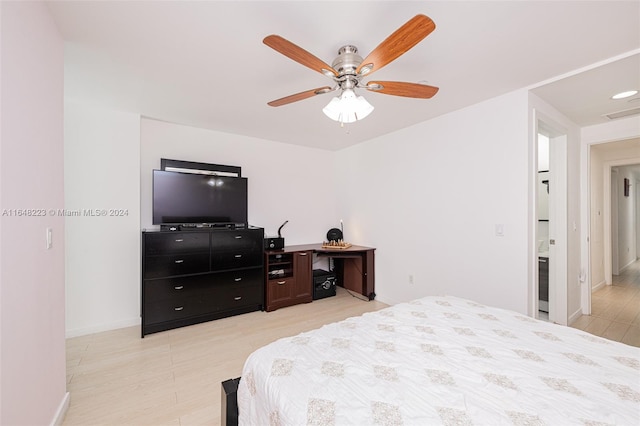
349, 69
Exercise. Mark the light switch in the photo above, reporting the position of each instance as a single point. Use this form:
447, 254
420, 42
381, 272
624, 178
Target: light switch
499, 230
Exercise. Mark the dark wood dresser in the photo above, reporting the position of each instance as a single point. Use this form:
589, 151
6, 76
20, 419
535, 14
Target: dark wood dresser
200, 275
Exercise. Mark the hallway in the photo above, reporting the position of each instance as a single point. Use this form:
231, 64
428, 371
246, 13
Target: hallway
615, 309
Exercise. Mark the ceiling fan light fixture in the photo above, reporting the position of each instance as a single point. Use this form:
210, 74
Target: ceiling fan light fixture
348, 108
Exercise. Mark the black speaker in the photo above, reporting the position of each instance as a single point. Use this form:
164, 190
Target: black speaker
324, 284
273, 243
334, 234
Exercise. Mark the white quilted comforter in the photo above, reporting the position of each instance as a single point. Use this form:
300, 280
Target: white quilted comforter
441, 360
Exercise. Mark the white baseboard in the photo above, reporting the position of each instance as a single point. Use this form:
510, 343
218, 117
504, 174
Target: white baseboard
574, 316
62, 410
628, 264
598, 286
102, 327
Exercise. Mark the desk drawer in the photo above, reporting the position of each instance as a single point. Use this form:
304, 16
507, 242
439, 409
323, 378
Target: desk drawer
280, 290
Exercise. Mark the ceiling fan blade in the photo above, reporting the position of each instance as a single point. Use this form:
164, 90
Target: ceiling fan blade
299, 55
403, 39
300, 96
399, 88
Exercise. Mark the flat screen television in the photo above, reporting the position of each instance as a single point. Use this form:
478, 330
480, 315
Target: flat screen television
186, 198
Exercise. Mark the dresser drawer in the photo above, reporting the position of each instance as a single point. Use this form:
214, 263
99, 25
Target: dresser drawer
175, 264
241, 277
235, 259
157, 311
174, 299
176, 242
177, 288
235, 296
247, 240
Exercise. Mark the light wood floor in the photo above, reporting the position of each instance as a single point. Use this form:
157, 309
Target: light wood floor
173, 377
615, 309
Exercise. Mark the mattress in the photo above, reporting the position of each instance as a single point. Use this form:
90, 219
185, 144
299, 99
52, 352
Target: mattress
441, 361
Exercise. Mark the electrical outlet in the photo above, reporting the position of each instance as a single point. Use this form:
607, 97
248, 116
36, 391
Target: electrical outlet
410, 278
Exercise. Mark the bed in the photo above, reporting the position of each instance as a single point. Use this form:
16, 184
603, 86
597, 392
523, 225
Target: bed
441, 360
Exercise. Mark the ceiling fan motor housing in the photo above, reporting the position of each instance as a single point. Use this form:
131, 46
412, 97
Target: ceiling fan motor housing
346, 64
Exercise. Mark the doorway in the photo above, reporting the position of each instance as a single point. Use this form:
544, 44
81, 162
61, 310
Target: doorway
623, 217
551, 223
613, 217
543, 191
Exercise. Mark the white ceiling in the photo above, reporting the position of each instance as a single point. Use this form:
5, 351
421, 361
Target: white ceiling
203, 63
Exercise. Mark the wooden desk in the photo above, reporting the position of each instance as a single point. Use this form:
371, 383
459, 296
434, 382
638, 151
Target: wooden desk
354, 266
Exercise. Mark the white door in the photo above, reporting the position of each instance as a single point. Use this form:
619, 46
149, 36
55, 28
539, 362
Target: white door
558, 311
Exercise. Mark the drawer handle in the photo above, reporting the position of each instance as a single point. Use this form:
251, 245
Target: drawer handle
281, 282
179, 308
303, 254
238, 256
237, 279
179, 287
237, 298
179, 261
238, 237
179, 240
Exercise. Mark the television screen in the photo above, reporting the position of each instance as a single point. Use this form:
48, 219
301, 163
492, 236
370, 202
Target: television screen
182, 198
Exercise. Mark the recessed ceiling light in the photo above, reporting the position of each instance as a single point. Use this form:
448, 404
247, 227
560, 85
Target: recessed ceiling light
626, 94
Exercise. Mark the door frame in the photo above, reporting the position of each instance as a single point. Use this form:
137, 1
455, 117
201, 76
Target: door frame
608, 217
611, 267
558, 218
586, 212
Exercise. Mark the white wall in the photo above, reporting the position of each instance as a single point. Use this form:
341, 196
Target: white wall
102, 161
429, 198
32, 361
286, 182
